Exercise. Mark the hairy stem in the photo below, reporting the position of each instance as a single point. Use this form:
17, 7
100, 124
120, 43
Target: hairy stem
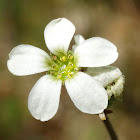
110, 129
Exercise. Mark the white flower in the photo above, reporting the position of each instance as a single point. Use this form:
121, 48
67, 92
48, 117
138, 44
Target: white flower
63, 66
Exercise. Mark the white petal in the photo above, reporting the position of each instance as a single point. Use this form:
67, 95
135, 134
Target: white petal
74, 47
44, 98
87, 94
95, 52
58, 34
79, 39
27, 59
105, 75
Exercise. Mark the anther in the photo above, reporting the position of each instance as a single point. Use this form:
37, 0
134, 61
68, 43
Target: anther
76, 69
54, 57
70, 64
70, 56
69, 75
63, 58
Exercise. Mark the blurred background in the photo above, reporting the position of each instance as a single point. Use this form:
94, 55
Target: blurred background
23, 22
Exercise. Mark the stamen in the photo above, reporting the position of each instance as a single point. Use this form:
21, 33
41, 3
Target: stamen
64, 66
70, 64
63, 58
70, 56
54, 57
76, 69
69, 75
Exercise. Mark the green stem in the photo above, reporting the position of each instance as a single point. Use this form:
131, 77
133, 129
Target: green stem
110, 129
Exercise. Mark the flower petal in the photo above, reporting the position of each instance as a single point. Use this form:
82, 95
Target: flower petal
105, 75
79, 39
27, 59
87, 94
96, 52
58, 34
44, 98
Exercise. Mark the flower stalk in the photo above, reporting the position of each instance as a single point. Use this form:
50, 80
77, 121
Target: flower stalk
110, 129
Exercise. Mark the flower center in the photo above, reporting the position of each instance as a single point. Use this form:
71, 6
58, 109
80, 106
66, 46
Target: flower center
65, 66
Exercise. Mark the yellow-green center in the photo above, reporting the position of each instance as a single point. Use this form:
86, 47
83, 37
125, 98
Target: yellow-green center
65, 66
